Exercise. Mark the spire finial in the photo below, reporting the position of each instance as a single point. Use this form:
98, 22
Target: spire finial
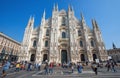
31, 21
56, 7
96, 25
82, 17
93, 23
44, 14
69, 8
72, 8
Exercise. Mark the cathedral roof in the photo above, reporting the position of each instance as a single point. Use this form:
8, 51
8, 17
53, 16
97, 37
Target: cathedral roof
36, 29
62, 12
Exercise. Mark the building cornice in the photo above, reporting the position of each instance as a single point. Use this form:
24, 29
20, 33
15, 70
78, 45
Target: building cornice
5, 36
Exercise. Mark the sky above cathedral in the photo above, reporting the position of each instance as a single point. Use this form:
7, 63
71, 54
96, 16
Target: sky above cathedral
14, 16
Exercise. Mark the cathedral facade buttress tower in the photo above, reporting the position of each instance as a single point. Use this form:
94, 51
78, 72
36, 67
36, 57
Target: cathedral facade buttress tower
62, 38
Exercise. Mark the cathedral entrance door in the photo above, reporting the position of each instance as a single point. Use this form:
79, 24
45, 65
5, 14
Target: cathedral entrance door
82, 57
32, 59
63, 56
45, 57
94, 57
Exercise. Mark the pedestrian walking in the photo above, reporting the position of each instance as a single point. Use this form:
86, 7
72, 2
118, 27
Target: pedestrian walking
29, 67
46, 68
72, 67
108, 65
5, 67
39, 66
17, 67
80, 68
51, 68
113, 67
94, 67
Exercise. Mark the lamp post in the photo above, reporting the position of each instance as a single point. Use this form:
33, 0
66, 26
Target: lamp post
9, 58
2, 54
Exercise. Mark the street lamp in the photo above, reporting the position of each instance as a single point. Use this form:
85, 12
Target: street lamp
2, 54
9, 58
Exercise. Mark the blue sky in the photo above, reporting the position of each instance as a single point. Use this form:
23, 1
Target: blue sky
14, 15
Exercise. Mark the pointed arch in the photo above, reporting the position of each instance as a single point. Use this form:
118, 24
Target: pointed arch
63, 21
47, 32
94, 57
32, 57
92, 43
79, 33
46, 43
82, 57
34, 43
63, 35
81, 43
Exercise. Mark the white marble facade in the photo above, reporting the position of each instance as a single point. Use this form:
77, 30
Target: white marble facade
62, 38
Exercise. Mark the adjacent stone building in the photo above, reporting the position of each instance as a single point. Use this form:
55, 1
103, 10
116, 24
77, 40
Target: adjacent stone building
114, 53
62, 38
9, 48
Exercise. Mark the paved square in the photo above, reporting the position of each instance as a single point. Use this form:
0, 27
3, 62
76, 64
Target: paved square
64, 73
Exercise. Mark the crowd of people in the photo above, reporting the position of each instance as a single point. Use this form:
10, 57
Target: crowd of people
111, 65
48, 67
18, 66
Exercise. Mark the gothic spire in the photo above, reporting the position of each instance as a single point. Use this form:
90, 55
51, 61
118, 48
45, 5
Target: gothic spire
43, 18
69, 8
94, 24
43, 14
55, 8
82, 17
31, 21
114, 47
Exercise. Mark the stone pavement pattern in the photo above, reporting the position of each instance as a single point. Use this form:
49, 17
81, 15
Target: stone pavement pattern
65, 73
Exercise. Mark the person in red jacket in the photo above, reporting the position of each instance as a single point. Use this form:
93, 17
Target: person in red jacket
51, 68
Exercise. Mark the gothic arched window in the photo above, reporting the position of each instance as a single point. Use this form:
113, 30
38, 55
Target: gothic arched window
63, 35
46, 43
47, 32
92, 43
34, 43
81, 44
63, 21
79, 33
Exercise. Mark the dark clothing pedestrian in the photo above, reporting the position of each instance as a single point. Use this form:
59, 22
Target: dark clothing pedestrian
46, 68
108, 66
113, 67
94, 67
29, 67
